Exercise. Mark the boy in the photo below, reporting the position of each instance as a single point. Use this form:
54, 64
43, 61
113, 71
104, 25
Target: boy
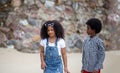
93, 48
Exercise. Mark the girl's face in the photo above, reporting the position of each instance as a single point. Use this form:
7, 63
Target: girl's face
90, 31
51, 31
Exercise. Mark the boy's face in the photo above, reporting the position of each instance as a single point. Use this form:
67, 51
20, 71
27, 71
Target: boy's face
51, 31
90, 31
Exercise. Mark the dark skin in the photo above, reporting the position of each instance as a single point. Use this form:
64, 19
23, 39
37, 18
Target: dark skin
91, 33
52, 38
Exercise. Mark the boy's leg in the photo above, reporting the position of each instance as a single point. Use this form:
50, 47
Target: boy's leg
89, 72
99, 71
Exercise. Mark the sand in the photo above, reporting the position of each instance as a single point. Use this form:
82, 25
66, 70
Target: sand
12, 61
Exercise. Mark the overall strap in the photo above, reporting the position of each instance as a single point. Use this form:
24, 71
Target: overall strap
47, 42
56, 41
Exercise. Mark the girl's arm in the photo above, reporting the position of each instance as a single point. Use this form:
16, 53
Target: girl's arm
43, 65
64, 56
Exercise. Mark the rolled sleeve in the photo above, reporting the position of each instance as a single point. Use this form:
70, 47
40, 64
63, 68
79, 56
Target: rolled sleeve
62, 43
101, 56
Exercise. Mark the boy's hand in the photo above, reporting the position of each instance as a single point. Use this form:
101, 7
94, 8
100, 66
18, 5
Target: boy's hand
95, 71
66, 70
81, 71
43, 65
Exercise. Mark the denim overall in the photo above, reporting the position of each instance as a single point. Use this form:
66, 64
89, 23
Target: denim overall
52, 59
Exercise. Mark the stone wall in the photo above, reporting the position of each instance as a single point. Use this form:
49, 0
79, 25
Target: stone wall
21, 26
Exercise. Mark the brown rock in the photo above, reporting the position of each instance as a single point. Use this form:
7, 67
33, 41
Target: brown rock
16, 3
3, 37
77, 0
58, 2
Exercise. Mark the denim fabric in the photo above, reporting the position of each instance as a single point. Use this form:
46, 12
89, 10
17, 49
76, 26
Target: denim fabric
52, 59
93, 54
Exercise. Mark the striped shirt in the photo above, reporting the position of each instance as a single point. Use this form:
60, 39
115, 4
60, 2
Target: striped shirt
93, 54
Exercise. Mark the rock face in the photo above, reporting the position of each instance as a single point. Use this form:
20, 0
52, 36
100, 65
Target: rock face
21, 20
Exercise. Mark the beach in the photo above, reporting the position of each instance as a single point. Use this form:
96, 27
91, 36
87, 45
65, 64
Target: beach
12, 61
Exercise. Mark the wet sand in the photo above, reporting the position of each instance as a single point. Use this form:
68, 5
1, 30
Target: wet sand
12, 61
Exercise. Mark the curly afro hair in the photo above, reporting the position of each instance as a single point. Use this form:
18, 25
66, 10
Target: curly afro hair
95, 24
59, 31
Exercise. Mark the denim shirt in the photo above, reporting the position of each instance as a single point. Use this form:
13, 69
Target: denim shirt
93, 54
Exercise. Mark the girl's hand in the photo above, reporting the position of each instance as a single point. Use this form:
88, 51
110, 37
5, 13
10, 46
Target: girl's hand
66, 70
43, 65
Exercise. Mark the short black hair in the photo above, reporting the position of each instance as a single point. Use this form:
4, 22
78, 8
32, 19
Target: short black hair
59, 31
95, 24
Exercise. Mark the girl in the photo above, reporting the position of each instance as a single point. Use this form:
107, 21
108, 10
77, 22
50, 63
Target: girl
52, 48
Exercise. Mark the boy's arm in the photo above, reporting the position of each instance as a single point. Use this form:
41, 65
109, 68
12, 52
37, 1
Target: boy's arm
82, 60
83, 53
101, 56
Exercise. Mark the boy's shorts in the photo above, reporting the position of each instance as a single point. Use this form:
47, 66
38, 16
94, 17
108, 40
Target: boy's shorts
89, 72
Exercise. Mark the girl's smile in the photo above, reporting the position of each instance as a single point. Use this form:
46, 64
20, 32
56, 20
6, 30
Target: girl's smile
51, 31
